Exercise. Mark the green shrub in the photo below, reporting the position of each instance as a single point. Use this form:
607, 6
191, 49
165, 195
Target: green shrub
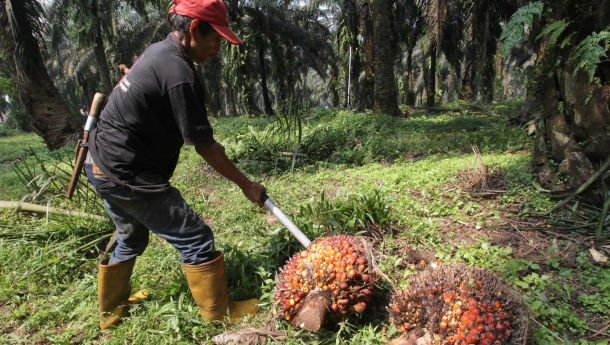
355, 212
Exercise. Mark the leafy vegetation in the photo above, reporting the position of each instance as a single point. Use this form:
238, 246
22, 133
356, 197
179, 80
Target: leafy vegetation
348, 138
590, 51
520, 23
411, 196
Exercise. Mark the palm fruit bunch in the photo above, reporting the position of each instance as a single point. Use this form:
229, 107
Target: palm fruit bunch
336, 266
460, 306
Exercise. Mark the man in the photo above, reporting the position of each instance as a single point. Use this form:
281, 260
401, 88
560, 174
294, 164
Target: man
154, 109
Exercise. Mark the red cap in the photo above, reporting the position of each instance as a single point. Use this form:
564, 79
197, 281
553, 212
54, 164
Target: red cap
213, 12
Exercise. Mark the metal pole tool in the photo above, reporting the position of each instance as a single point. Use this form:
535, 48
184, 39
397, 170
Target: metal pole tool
283, 218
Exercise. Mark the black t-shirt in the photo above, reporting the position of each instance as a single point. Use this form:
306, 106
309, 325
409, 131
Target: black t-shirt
151, 112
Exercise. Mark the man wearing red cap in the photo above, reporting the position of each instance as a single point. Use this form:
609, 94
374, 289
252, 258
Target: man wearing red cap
155, 108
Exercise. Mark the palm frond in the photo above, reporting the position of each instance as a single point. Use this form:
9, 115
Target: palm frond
25, 21
58, 15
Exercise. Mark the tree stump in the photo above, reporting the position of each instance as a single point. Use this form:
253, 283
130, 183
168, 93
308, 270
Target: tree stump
312, 315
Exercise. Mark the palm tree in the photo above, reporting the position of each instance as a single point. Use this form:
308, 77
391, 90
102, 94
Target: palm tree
570, 105
435, 12
385, 84
409, 29
74, 67
483, 18
92, 24
366, 91
349, 48
451, 47
50, 116
283, 44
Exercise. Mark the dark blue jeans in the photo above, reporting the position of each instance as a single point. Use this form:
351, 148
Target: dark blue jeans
165, 213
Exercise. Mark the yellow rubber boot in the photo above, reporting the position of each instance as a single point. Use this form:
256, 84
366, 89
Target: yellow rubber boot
113, 291
208, 285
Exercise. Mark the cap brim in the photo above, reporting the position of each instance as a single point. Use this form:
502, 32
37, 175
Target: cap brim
227, 33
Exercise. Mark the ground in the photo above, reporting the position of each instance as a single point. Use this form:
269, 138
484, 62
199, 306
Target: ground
406, 184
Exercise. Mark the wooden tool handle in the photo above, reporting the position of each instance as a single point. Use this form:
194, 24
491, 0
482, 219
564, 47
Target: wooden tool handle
81, 150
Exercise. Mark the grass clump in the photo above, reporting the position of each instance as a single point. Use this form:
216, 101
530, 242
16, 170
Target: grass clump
358, 214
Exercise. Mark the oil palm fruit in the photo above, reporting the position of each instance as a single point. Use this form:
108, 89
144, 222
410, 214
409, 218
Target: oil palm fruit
335, 267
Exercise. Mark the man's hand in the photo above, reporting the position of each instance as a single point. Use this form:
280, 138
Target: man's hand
215, 155
124, 69
254, 192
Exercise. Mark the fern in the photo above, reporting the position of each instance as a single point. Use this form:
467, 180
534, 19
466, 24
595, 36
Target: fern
590, 51
554, 30
519, 24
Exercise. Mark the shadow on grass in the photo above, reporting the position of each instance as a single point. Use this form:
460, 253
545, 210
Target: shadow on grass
248, 271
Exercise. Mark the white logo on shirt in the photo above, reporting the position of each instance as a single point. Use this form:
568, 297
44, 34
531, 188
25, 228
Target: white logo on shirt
124, 84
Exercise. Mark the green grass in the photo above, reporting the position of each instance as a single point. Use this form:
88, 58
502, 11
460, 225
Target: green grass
401, 173
14, 148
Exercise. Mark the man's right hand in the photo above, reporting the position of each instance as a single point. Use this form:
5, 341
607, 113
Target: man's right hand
215, 155
254, 192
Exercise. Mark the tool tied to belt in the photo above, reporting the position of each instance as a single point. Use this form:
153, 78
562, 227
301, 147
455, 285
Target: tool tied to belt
82, 147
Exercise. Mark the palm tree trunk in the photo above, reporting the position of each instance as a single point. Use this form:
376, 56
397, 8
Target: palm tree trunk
251, 107
334, 85
367, 86
488, 51
355, 72
470, 54
102, 64
212, 72
410, 83
430, 78
352, 18
230, 101
50, 116
385, 84
247, 79
209, 76
451, 89
572, 140
100, 54
261, 59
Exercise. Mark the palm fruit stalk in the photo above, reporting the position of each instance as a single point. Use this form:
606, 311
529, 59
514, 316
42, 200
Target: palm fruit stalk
460, 306
329, 280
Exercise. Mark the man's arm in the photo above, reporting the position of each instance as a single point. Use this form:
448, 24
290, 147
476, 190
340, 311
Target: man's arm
215, 155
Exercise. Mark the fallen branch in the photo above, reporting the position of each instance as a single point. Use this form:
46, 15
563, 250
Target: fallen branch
250, 336
584, 186
411, 339
435, 110
28, 207
548, 330
290, 154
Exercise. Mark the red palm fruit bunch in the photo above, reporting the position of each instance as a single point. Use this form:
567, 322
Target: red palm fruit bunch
336, 268
460, 306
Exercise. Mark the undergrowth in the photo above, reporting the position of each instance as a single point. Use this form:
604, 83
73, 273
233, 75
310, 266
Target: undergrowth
347, 138
392, 180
